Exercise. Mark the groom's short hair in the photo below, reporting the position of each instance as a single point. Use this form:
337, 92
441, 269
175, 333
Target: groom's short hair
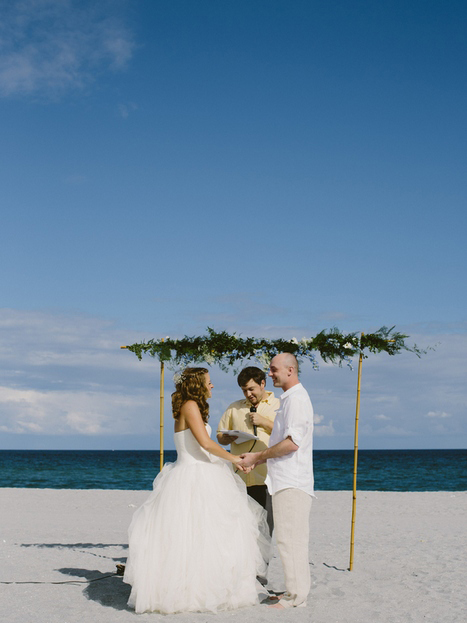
252, 373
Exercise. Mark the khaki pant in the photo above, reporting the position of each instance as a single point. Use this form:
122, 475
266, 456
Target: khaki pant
291, 509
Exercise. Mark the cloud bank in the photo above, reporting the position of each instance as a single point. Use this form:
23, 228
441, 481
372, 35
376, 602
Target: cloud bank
48, 47
65, 375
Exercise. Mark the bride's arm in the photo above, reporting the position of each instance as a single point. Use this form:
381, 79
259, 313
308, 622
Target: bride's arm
191, 414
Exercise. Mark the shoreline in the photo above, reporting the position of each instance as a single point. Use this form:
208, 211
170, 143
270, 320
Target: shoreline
388, 470
408, 561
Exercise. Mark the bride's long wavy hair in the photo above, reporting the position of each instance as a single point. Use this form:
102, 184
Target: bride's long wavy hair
191, 385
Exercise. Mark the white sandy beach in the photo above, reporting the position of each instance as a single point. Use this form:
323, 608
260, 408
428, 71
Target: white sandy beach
409, 565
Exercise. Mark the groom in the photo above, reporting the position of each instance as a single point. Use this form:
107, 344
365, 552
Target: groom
290, 477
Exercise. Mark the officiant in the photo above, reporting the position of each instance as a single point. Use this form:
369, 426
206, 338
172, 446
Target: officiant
254, 414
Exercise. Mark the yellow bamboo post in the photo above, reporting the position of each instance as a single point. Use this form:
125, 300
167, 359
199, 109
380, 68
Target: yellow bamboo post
355, 461
161, 419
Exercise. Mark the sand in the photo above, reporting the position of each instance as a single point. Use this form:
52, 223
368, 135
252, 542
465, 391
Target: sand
409, 564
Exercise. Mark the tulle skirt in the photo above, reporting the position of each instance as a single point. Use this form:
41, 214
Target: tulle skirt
197, 543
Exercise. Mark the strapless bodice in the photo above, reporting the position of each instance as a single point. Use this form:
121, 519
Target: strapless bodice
188, 449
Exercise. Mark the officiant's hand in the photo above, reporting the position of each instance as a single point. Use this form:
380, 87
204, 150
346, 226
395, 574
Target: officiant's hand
225, 439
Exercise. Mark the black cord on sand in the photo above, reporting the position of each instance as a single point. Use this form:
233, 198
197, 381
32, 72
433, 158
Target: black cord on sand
119, 572
111, 575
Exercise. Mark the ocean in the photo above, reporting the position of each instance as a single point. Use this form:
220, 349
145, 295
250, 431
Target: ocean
378, 470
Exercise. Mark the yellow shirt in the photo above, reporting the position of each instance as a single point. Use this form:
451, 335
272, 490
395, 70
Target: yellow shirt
237, 417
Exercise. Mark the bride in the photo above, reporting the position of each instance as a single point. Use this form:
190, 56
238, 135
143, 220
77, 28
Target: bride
198, 542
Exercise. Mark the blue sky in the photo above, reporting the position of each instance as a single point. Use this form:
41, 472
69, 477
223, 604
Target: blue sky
266, 167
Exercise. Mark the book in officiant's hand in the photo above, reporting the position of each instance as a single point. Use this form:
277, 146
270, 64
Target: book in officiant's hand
239, 434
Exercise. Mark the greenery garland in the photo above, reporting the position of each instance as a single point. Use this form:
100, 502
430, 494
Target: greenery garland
224, 349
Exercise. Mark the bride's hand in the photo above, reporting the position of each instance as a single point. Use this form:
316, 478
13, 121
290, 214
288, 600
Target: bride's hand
238, 464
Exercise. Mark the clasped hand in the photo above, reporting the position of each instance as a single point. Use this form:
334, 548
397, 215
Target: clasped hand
247, 462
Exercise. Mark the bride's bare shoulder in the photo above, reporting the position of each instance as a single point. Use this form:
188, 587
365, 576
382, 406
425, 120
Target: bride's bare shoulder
189, 407
189, 414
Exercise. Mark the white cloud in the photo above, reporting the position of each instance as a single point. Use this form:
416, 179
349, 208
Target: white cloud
50, 46
75, 411
67, 374
124, 110
438, 414
385, 398
30, 427
87, 423
396, 431
382, 417
323, 430
44, 340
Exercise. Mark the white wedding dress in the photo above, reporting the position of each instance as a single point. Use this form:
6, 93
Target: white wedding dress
199, 541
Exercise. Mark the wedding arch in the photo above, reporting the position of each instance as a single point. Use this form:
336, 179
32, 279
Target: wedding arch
226, 350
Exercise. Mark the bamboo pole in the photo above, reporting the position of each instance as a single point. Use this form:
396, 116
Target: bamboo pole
161, 420
355, 461
161, 416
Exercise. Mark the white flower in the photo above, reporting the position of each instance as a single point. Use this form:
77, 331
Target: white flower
294, 340
263, 359
348, 345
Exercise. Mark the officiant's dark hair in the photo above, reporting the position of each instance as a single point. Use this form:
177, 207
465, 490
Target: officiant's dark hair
191, 385
251, 373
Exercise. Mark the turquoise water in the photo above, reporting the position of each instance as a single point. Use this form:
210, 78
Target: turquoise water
378, 470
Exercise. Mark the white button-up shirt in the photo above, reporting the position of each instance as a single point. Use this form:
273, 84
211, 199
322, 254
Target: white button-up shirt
294, 419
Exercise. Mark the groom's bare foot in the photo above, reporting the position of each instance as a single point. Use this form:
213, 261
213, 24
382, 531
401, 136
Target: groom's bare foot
271, 600
277, 607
